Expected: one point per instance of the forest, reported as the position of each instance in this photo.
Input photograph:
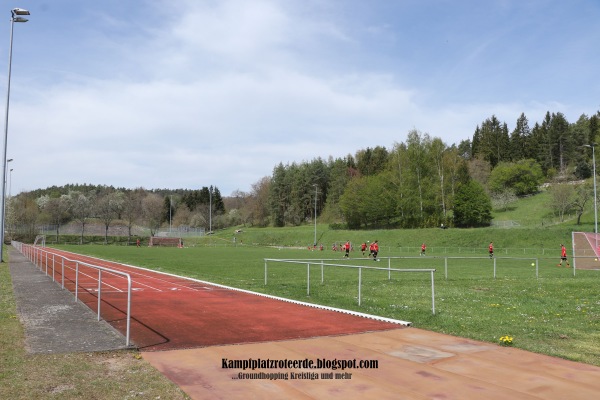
(421, 182)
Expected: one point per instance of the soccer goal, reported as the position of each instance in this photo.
(40, 240)
(165, 241)
(586, 250)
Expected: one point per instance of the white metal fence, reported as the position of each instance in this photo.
(53, 264)
(360, 268)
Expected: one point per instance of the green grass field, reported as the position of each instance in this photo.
(555, 314)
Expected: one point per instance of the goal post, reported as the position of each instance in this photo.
(40, 240)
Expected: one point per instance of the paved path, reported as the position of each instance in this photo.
(53, 321)
(412, 364)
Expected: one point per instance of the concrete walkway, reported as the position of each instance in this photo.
(53, 321)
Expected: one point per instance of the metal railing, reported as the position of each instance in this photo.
(47, 262)
(359, 267)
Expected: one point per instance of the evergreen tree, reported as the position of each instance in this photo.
(519, 139)
(580, 131)
(339, 174)
(594, 129)
(278, 196)
(494, 141)
(465, 149)
(371, 161)
(476, 145)
(561, 142)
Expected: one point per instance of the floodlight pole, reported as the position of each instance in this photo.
(593, 146)
(595, 197)
(15, 17)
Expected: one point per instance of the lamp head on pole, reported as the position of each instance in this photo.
(20, 11)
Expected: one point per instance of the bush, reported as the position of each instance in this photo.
(472, 206)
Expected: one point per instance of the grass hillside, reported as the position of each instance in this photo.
(532, 226)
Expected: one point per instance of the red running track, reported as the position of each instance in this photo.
(170, 312)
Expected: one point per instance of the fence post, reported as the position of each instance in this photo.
(63, 273)
(389, 268)
(265, 272)
(76, 279)
(322, 277)
(432, 294)
(494, 267)
(446, 267)
(99, 291)
(308, 279)
(359, 282)
(128, 308)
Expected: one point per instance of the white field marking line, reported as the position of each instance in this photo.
(268, 296)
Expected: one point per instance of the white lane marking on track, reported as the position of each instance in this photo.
(136, 275)
(148, 274)
(95, 279)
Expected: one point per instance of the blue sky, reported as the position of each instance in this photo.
(191, 93)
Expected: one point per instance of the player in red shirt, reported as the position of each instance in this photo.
(491, 249)
(375, 250)
(363, 248)
(563, 256)
(423, 248)
(347, 248)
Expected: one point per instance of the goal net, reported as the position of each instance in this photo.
(165, 241)
(586, 250)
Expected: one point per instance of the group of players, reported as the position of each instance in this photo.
(373, 249)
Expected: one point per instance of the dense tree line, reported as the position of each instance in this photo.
(422, 182)
(425, 182)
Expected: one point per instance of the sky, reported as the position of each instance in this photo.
(169, 94)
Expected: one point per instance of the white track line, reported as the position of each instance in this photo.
(153, 277)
